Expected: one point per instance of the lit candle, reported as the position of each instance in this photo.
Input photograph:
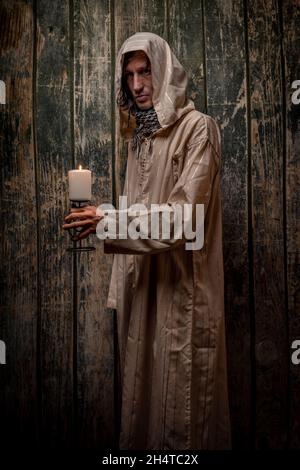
(80, 185)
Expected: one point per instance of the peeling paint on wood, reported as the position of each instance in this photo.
(291, 47)
(271, 346)
(93, 149)
(18, 274)
(54, 159)
(226, 99)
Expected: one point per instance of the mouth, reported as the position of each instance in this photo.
(142, 97)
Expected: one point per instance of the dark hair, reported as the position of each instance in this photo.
(124, 97)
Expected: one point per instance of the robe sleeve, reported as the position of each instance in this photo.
(193, 187)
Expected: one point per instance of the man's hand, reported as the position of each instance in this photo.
(84, 218)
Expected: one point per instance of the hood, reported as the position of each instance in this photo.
(169, 80)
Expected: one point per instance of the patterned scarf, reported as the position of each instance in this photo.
(146, 124)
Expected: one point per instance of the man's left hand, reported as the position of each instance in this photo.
(85, 218)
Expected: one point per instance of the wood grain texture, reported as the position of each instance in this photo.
(54, 148)
(227, 103)
(291, 48)
(185, 36)
(93, 149)
(18, 273)
(272, 353)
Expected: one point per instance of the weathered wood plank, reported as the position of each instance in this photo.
(291, 48)
(268, 240)
(55, 268)
(93, 149)
(185, 36)
(18, 274)
(227, 103)
(143, 15)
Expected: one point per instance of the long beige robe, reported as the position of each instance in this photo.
(169, 300)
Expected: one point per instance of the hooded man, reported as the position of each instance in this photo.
(169, 299)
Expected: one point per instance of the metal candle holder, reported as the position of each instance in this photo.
(73, 232)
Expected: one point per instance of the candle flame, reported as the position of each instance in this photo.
(80, 167)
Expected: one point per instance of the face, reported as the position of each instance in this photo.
(139, 80)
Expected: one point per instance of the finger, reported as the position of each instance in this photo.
(79, 223)
(77, 209)
(83, 214)
(74, 217)
(80, 209)
(85, 233)
(82, 234)
(77, 215)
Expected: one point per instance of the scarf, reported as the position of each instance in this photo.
(146, 124)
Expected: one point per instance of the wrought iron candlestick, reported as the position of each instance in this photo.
(74, 232)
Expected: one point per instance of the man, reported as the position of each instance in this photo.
(169, 299)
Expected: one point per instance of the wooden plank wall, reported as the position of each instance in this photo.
(57, 60)
(290, 30)
(19, 250)
(93, 148)
(53, 159)
(227, 101)
(266, 179)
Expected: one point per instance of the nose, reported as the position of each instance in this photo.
(137, 83)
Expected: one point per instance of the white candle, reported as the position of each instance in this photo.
(80, 185)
